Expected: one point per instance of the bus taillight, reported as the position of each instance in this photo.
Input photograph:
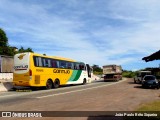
(30, 72)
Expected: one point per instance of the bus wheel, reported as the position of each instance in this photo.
(56, 83)
(49, 84)
(84, 81)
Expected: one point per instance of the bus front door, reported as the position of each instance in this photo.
(88, 70)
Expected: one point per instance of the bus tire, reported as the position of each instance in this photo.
(49, 84)
(56, 83)
(84, 82)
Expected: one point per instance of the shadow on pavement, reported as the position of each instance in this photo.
(25, 89)
(131, 82)
(138, 87)
(147, 88)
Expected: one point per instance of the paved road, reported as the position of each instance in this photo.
(26, 93)
(97, 96)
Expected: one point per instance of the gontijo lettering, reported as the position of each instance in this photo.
(21, 67)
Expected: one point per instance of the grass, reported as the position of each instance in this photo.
(149, 108)
(153, 106)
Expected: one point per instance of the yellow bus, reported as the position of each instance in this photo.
(36, 70)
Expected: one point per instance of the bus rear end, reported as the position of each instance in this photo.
(22, 73)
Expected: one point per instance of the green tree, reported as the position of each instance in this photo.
(21, 50)
(29, 50)
(97, 69)
(10, 51)
(3, 38)
(5, 49)
(3, 43)
(128, 74)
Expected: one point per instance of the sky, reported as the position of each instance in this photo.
(99, 32)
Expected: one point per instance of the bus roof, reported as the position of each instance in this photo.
(54, 57)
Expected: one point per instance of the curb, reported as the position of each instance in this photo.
(5, 86)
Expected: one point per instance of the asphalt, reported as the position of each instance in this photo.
(97, 96)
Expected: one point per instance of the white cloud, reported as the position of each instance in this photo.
(97, 32)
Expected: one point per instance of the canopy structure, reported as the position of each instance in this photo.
(154, 56)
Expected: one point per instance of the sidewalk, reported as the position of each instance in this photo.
(93, 78)
(6, 85)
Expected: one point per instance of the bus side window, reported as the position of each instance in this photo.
(77, 66)
(37, 61)
(72, 66)
(57, 62)
(45, 62)
(49, 62)
(62, 64)
(82, 67)
(68, 65)
(53, 63)
(40, 61)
